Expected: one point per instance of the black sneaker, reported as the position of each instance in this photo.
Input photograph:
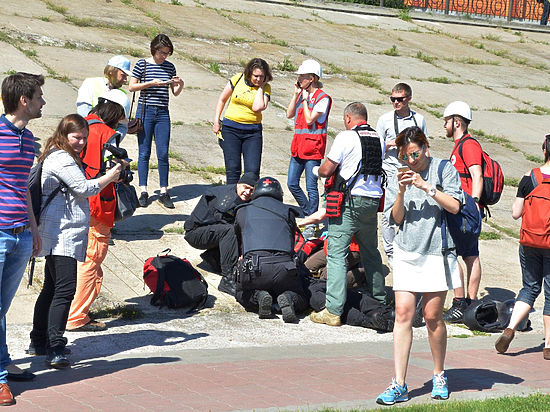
(287, 307)
(264, 304)
(456, 313)
(227, 285)
(56, 359)
(143, 198)
(41, 350)
(165, 200)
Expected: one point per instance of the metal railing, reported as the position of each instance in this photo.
(525, 10)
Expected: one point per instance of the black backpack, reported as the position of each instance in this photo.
(174, 282)
(34, 183)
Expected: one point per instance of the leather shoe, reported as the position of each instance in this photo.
(503, 341)
(15, 373)
(57, 360)
(546, 353)
(227, 285)
(6, 398)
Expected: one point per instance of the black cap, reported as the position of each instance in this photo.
(248, 178)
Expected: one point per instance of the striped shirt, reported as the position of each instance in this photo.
(16, 159)
(156, 95)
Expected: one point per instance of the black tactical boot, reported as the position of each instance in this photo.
(228, 285)
(264, 304)
(287, 307)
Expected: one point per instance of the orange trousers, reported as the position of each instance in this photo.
(89, 275)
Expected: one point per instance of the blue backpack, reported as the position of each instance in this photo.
(466, 224)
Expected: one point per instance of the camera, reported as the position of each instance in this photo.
(126, 175)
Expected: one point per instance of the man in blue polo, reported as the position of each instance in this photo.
(19, 239)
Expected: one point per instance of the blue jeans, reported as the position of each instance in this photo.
(236, 142)
(295, 170)
(156, 123)
(15, 252)
(359, 217)
(545, 13)
(535, 271)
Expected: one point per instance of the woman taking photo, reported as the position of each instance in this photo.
(153, 78)
(534, 255)
(63, 228)
(241, 134)
(415, 199)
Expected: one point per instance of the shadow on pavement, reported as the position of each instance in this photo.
(188, 192)
(145, 227)
(534, 349)
(470, 379)
(81, 371)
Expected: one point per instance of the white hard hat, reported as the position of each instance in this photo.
(117, 96)
(458, 108)
(310, 67)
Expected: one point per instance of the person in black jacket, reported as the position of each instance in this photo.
(265, 228)
(210, 227)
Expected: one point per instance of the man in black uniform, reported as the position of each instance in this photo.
(210, 227)
(265, 228)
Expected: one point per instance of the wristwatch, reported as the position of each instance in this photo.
(476, 199)
(431, 191)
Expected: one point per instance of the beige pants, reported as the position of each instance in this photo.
(89, 275)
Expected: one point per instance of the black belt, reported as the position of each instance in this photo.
(18, 229)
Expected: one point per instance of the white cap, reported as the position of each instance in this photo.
(310, 67)
(117, 96)
(458, 108)
(120, 62)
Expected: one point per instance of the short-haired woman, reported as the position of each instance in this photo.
(415, 199)
(63, 228)
(241, 136)
(154, 77)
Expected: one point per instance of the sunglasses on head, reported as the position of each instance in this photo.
(397, 99)
(413, 155)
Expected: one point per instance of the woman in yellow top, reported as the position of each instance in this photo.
(242, 124)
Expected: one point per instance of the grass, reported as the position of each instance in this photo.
(471, 60)
(208, 169)
(178, 230)
(367, 80)
(392, 51)
(175, 155)
(443, 80)
(175, 3)
(425, 58)
(10, 72)
(279, 42)
(176, 123)
(404, 15)
(126, 312)
(509, 232)
(30, 53)
(286, 65)
(511, 181)
(57, 9)
(491, 37)
(215, 67)
(44, 18)
(489, 236)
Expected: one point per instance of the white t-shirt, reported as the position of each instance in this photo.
(386, 130)
(320, 107)
(346, 151)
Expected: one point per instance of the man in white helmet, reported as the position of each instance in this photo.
(310, 108)
(115, 75)
(388, 127)
(467, 158)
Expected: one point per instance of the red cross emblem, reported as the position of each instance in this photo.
(267, 181)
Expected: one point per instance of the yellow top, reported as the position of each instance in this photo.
(240, 105)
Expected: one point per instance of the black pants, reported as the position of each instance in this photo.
(275, 278)
(220, 236)
(52, 306)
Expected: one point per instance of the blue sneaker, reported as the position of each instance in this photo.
(440, 390)
(394, 393)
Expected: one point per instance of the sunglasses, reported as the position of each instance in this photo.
(413, 155)
(398, 99)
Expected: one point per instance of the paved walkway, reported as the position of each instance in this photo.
(302, 377)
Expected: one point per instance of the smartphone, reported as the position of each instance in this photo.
(403, 169)
(298, 85)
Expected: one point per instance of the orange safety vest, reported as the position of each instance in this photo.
(102, 205)
(309, 141)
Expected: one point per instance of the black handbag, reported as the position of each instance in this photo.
(126, 201)
(135, 125)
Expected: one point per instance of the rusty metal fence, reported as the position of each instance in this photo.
(525, 10)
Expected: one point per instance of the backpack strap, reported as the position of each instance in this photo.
(461, 142)
(396, 127)
(536, 177)
(157, 296)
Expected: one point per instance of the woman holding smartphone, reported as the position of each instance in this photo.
(241, 136)
(415, 199)
(154, 77)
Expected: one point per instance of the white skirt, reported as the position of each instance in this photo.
(413, 272)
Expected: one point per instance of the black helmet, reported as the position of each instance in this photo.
(268, 186)
(488, 316)
(525, 324)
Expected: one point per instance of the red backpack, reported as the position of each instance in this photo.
(535, 219)
(493, 178)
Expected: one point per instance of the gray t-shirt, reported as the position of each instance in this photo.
(420, 231)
